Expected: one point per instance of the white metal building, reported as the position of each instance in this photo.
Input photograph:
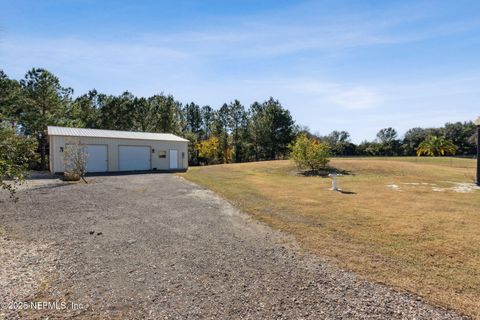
(112, 151)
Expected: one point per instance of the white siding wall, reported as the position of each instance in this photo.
(56, 142)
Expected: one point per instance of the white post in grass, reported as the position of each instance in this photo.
(477, 122)
(334, 181)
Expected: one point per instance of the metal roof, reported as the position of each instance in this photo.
(100, 133)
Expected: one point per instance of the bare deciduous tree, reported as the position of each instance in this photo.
(75, 161)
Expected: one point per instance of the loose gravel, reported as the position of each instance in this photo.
(153, 246)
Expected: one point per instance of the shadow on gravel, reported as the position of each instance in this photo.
(42, 175)
(52, 186)
(126, 173)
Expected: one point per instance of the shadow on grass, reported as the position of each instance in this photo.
(325, 172)
(346, 192)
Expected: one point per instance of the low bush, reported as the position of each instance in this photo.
(71, 176)
(310, 154)
(16, 151)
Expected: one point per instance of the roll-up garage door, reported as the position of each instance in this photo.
(97, 157)
(134, 158)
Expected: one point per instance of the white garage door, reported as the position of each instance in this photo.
(97, 159)
(134, 158)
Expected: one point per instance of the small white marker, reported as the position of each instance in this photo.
(334, 181)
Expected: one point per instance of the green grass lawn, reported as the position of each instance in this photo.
(408, 222)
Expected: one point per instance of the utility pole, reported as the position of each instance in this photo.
(477, 122)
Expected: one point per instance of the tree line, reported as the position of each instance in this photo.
(231, 132)
(459, 138)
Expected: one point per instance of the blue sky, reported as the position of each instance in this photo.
(348, 65)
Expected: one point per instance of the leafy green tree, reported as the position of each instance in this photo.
(236, 119)
(220, 120)
(272, 129)
(221, 131)
(387, 135)
(16, 151)
(389, 142)
(118, 112)
(170, 115)
(141, 114)
(192, 148)
(362, 146)
(258, 130)
(299, 129)
(474, 139)
(208, 118)
(436, 146)
(193, 118)
(370, 148)
(11, 100)
(246, 150)
(309, 153)
(340, 143)
(165, 114)
(85, 110)
(461, 136)
(193, 127)
(45, 104)
(280, 125)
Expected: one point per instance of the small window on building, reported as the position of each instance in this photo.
(162, 154)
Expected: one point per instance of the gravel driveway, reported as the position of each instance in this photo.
(156, 246)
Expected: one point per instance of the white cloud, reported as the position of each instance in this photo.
(345, 96)
(286, 33)
(356, 98)
(106, 65)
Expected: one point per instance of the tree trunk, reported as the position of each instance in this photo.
(273, 154)
(43, 151)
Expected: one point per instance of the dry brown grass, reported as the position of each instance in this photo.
(416, 239)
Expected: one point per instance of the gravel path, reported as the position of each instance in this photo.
(155, 246)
